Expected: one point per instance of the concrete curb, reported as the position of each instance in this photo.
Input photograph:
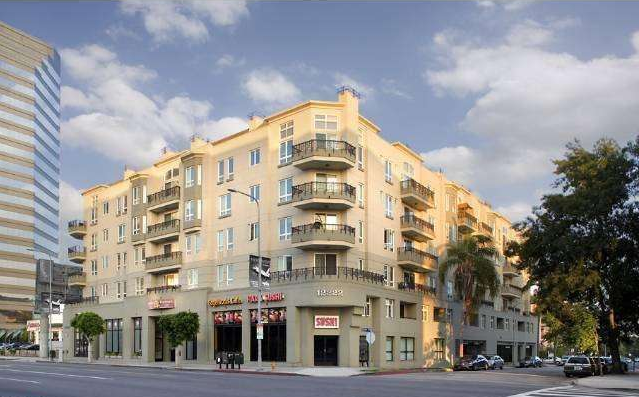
(576, 382)
(405, 371)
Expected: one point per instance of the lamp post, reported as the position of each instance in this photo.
(50, 299)
(259, 274)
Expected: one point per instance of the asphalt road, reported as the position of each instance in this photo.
(22, 379)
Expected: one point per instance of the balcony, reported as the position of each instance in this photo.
(162, 289)
(509, 270)
(510, 292)
(164, 200)
(78, 280)
(77, 229)
(416, 228)
(314, 236)
(87, 300)
(322, 154)
(163, 232)
(419, 288)
(323, 196)
(311, 274)
(416, 195)
(485, 229)
(163, 263)
(77, 254)
(416, 260)
(466, 222)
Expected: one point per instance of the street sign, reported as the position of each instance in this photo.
(254, 271)
(260, 331)
(370, 336)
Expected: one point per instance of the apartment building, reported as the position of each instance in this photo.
(29, 168)
(353, 226)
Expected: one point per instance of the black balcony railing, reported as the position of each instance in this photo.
(76, 224)
(77, 250)
(163, 288)
(161, 228)
(411, 220)
(413, 287)
(172, 193)
(313, 273)
(411, 185)
(168, 259)
(89, 300)
(323, 228)
(322, 147)
(324, 190)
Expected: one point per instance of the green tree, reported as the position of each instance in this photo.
(581, 245)
(576, 330)
(470, 262)
(89, 325)
(179, 328)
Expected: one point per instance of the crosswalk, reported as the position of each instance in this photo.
(573, 391)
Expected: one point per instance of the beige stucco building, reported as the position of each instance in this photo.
(353, 226)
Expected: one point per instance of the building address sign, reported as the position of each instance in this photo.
(329, 292)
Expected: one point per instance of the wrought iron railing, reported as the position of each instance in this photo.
(172, 193)
(410, 185)
(168, 259)
(411, 220)
(313, 273)
(323, 147)
(163, 228)
(413, 287)
(163, 288)
(324, 190)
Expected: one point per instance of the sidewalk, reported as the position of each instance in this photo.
(629, 381)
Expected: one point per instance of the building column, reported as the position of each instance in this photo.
(246, 333)
(148, 339)
(127, 338)
(44, 336)
(100, 352)
(292, 340)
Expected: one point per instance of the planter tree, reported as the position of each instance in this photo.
(471, 266)
(179, 328)
(89, 325)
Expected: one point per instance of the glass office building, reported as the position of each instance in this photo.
(29, 168)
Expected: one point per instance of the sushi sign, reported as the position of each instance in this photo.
(326, 322)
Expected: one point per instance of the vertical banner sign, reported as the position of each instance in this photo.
(260, 331)
(254, 271)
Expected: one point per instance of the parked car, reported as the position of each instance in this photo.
(33, 347)
(533, 361)
(578, 366)
(496, 362)
(472, 363)
(563, 360)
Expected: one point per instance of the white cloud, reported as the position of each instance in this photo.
(391, 87)
(166, 21)
(635, 41)
(117, 119)
(508, 5)
(342, 79)
(517, 211)
(270, 87)
(528, 102)
(70, 209)
(117, 32)
(216, 129)
(227, 61)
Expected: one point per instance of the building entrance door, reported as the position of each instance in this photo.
(159, 344)
(326, 350)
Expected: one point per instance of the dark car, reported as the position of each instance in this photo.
(533, 361)
(496, 362)
(33, 347)
(578, 366)
(472, 363)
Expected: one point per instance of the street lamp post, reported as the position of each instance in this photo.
(50, 299)
(259, 274)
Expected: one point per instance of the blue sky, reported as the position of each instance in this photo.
(488, 91)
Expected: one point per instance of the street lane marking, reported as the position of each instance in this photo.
(55, 373)
(571, 391)
(19, 380)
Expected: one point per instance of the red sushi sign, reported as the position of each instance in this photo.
(327, 322)
(161, 304)
(274, 297)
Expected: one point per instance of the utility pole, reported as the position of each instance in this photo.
(50, 298)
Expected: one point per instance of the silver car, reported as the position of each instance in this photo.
(495, 362)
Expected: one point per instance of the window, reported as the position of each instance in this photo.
(197, 242)
(254, 157)
(482, 324)
(188, 245)
(389, 348)
(189, 210)
(189, 176)
(114, 337)
(360, 195)
(139, 286)
(286, 130)
(94, 242)
(121, 233)
(360, 157)
(143, 223)
(254, 192)
(439, 347)
(440, 315)
(105, 208)
(254, 231)
(492, 322)
(105, 289)
(94, 267)
(225, 204)
(285, 263)
(137, 190)
(192, 278)
(105, 262)
(137, 336)
(406, 349)
(390, 307)
(388, 206)
(388, 171)
(389, 239)
(425, 313)
(105, 235)
(286, 151)
(225, 274)
(500, 323)
(121, 205)
(507, 322)
(120, 289)
(286, 225)
(449, 289)
(360, 231)
(135, 225)
(389, 275)
(286, 190)
(220, 171)
(325, 122)
(139, 255)
(368, 306)
(230, 238)
(230, 167)
(220, 240)
(360, 264)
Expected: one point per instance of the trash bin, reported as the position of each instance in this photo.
(239, 360)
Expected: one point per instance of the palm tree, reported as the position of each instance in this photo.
(470, 262)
